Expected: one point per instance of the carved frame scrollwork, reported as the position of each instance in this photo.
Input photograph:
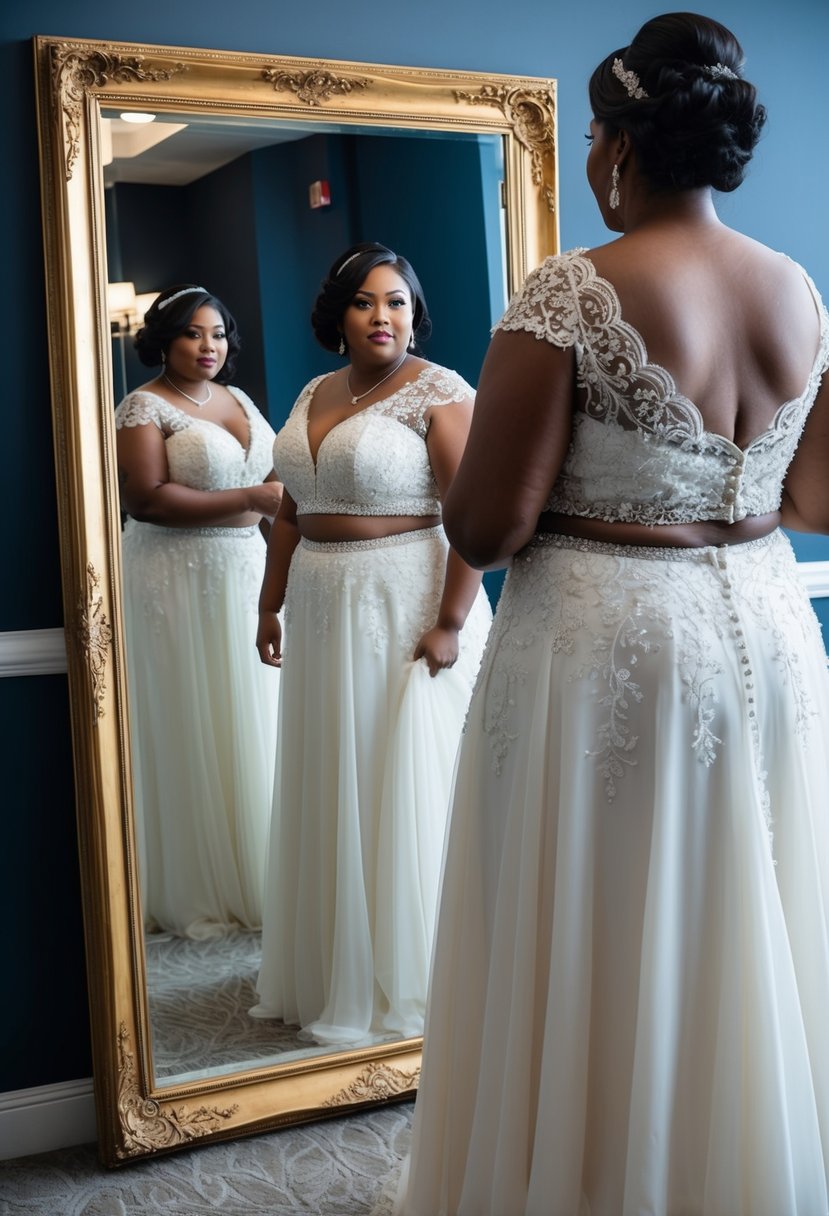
(76, 80)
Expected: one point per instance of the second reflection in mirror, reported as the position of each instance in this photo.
(197, 483)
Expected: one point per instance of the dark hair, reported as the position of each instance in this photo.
(164, 322)
(344, 280)
(696, 127)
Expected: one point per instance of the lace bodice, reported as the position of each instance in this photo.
(202, 454)
(639, 451)
(375, 462)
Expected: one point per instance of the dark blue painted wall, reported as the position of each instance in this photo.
(43, 1029)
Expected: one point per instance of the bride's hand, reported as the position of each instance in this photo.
(439, 646)
(269, 639)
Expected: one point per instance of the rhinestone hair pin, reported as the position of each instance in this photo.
(719, 71)
(185, 291)
(347, 260)
(629, 79)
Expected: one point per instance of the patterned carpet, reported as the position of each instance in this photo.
(200, 994)
(341, 1167)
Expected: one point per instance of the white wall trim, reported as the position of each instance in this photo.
(32, 652)
(815, 576)
(42, 652)
(46, 1118)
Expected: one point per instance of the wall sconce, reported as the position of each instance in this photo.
(121, 305)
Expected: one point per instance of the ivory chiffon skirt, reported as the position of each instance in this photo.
(203, 713)
(367, 747)
(629, 1008)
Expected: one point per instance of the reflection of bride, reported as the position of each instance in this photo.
(195, 464)
(384, 628)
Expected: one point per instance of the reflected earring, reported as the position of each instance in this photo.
(341, 347)
(614, 199)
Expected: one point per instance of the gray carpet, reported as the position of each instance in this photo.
(340, 1167)
(200, 994)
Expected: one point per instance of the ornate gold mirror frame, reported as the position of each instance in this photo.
(75, 80)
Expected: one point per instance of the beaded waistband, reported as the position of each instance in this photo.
(374, 542)
(659, 553)
(219, 530)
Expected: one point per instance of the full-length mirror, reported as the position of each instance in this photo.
(253, 173)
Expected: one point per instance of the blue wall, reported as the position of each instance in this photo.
(43, 1024)
(248, 232)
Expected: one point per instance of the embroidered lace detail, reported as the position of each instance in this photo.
(157, 560)
(639, 451)
(623, 617)
(396, 582)
(375, 462)
(201, 454)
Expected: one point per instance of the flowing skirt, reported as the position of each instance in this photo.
(203, 713)
(629, 1011)
(367, 747)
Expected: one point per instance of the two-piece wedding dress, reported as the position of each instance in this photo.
(629, 1011)
(202, 707)
(367, 738)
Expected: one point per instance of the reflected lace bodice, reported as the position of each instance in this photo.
(202, 454)
(375, 462)
(639, 452)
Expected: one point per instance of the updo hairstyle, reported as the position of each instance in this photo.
(163, 324)
(344, 280)
(698, 125)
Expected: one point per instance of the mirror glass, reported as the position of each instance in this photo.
(252, 175)
(220, 202)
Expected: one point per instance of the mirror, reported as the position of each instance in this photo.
(158, 1089)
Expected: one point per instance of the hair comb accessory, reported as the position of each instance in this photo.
(347, 260)
(185, 291)
(630, 80)
(719, 71)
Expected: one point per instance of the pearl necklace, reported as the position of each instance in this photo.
(388, 375)
(164, 376)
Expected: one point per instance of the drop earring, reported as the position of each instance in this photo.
(341, 347)
(615, 198)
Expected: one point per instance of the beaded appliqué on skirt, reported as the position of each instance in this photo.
(621, 615)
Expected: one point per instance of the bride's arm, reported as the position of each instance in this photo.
(518, 439)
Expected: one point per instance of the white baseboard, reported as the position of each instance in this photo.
(815, 576)
(32, 652)
(46, 1118)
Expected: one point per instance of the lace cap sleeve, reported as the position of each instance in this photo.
(434, 386)
(140, 408)
(550, 304)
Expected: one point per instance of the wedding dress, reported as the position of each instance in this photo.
(202, 707)
(628, 1010)
(367, 738)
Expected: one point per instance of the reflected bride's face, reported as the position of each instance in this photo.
(378, 322)
(199, 352)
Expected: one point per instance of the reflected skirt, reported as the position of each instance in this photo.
(203, 713)
(628, 1012)
(366, 752)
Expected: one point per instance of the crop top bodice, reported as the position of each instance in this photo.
(639, 452)
(202, 454)
(374, 462)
